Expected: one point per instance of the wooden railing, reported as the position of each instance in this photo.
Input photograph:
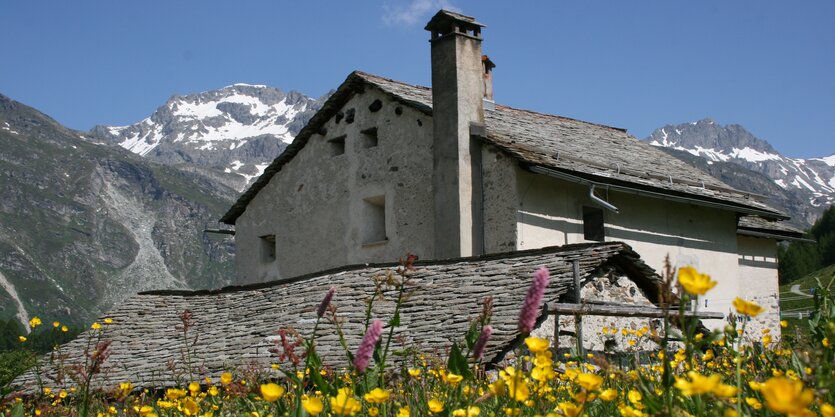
(596, 308)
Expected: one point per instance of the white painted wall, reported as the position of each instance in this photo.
(315, 206)
(550, 213)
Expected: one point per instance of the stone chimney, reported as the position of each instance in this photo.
(458, 89)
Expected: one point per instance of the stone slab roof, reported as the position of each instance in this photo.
(236, 326)
(597, 153)
(758, 226)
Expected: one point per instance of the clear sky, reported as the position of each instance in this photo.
(767, 65)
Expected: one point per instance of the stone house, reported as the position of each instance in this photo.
(386, 168)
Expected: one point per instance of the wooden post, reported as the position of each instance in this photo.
(578, 319)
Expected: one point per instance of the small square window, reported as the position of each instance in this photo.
(374, 220)
(369, 138)
(267, 248)
(337, 145)
(593, 223)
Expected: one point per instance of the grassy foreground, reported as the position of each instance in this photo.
(725, 373)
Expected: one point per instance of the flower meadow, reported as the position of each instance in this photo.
(694, 372)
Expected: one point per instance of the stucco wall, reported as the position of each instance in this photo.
(315, 205)
(758, 282)
(499, 200)
(550, 213)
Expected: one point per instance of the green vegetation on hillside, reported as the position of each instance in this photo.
(800, 258)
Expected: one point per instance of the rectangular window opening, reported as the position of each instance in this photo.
(267, 248)
(593, 223)
(337, 145)
(369, 138)
(374, 220)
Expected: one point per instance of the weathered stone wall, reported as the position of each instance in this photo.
(622, 334)
(758, 282)
(237, 326)
(316, 205)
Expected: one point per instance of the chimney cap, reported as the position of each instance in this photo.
(444, 20)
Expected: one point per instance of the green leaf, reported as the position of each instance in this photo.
(321, 383)
(457, 363)
(17, 411)
(395, 321)
(472, 336)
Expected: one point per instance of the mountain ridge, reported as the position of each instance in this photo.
(82, 226)
(805, 186)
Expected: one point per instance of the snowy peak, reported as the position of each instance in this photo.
(711, 140)
(235, 130)
(812, 181)
(224, 118)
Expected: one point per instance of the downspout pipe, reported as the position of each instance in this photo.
(600, 202)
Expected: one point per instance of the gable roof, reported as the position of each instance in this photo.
(237, 326)
(590, 152)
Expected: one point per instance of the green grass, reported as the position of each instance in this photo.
(791, 303)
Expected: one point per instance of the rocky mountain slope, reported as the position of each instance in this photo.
(802, 187)
(230, 134)
(83, 226)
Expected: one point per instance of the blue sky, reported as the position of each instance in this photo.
(767, 65)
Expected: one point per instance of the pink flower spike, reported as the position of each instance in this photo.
(530, 309)
(325, 302)
(366, 349)
(481, 343)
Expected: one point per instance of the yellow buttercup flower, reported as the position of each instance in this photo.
(345, 404)
(536, 345)
(570, 409)
(517, 388)
(35, 322)
(698, 384)
(226, 378)
(271, 392)
(144, 410)
(754, 403)
(55, 324)
(827, 410)
(194, 388)
(65, 329)
(589, 381)
(784, 395)
(435, 406)
(213, 391)
(313, 405)
(403, 412)
(414, 372)
(108, 320)
(377, 396)
(471, 411)
(693, 282)
(21, 338)
(174, 394)
(634, 396)
(453, 378)
(190, 407)
(725, 390)
(747, 308)
(373, 412)
(608, 394)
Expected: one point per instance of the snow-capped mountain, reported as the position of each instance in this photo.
(810, 181)
(231, 134)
